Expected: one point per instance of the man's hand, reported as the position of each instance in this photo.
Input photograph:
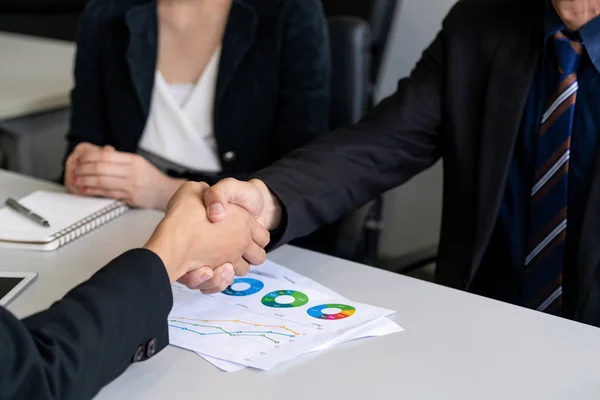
(187, 241)
(221, 200)
(123, 176)
(254, 196)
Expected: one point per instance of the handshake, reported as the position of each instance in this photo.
(211, 234)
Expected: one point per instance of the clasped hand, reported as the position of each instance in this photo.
(191, 246)
(98, 171)
(222, 202)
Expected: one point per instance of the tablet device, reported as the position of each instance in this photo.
(13, 283)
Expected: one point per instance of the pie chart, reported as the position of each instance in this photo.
(324, 311)
(244, 287)
(285, 299)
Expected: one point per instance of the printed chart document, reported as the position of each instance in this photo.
(379, 327)
(266, 318)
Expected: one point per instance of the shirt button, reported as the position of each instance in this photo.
(151, 348)
(139, 354)
(229, 156)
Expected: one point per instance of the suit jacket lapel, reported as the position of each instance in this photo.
(142, 52)
(239, 36)
(511, 77)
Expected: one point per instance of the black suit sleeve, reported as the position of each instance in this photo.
(88, 111)
(88, 338)
(347, 168)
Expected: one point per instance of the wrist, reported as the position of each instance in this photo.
(167, 190)
(271, 215)
(160, 245)
(165, 258)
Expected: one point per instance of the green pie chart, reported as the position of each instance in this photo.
(296, 299)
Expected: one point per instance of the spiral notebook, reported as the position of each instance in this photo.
(70, 217)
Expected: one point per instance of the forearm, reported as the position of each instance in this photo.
(345, 169)
(89, 337)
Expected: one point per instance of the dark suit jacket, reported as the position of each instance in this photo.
(273, 88)
(89, 337)
(463, 102)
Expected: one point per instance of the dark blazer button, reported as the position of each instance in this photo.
(139, 354)
(229, 156)
(151, 348)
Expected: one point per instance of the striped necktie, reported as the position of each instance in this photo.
(542, 278)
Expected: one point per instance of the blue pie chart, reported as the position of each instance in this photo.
(255, 287)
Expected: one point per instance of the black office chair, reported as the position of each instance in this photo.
(56, 19)
(350, 52)
(379, 14)
(351, 62)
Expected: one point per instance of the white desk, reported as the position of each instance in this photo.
(456, 345)
(36, 76)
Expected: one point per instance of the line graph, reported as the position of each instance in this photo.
(239, 322)
(200, 323)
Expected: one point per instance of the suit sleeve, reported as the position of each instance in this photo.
(88, 338)
(347, 168)
(305, 88)
(88, 113)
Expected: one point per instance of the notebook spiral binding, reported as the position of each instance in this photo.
(90, 223)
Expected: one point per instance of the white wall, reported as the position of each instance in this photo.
(412, 212)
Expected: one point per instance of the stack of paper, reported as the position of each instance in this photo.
(267, 317)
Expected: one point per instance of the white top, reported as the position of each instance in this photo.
(180, 127)
(181, 92)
